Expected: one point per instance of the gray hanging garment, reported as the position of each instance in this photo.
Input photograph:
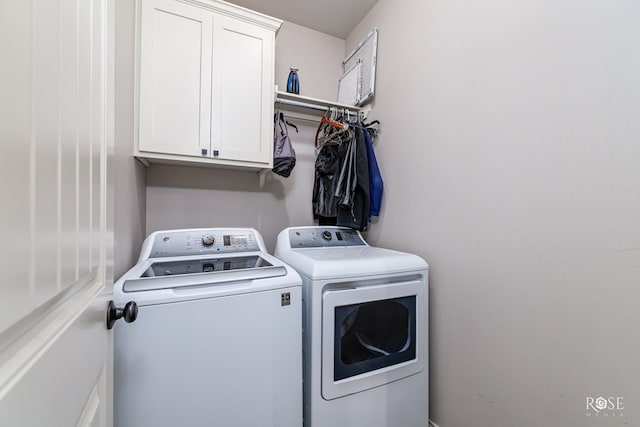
(284, 156)
(352, 190)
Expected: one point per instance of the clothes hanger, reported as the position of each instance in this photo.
(326, 122)
(373, 131)
(332, 137)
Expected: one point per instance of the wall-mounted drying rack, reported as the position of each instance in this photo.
(307, 108)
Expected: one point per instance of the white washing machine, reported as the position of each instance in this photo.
(217, 338)
(365, 332)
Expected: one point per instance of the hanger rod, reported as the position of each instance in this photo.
(318, 107)
(301, 104)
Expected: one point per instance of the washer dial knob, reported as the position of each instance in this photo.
(208, 240)
(326, 235)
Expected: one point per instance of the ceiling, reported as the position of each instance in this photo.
(335, 17)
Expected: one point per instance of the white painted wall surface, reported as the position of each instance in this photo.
(318, 56)
(129, 182)
(186, 197)
(510, 155)
(179, 196)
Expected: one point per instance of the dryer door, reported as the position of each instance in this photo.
(371, 335)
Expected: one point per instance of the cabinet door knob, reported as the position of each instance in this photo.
(204, 151)
(215, 153)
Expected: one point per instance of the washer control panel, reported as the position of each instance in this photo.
(203, 241)
(320, 237)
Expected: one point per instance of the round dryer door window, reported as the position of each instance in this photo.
(373, 335)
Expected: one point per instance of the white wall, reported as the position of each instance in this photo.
(510, 152)
(317, 55)
(129, 179)
(179, 197)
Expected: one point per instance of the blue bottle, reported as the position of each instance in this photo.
(293, 83)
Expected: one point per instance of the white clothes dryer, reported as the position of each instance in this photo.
(217, 338)
(365, 331)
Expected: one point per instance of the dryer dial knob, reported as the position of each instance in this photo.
(326, 235)
(208, 240)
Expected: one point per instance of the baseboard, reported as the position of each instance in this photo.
(432, 424)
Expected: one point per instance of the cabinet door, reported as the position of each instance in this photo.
(175, 78)
(242, 99)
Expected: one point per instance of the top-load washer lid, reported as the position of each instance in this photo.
(338, 252)
(204, 265)
(168, 274)
(212, 261)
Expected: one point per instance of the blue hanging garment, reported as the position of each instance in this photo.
(375, 178)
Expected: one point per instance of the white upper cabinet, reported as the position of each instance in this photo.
(175, 79)
(205, 84)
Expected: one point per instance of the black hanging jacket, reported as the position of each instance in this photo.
(327, 168)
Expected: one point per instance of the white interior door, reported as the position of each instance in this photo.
(56, 139)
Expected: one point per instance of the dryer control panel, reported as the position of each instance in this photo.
(322, 237)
